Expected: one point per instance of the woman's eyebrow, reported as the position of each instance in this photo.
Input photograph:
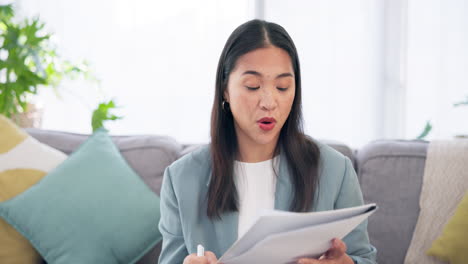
(256, 73)
(286, 74)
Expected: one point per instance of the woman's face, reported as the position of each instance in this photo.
(261, 92)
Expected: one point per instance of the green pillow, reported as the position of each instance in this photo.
(451, 245)
(92, 208)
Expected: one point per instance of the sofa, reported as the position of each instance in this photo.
(390, 173)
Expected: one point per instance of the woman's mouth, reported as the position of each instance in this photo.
(266, 123)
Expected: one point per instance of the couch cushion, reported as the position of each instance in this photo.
(92, 208)
(391, 173)
(148, 155)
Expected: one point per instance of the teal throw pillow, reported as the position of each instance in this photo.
(92, 208)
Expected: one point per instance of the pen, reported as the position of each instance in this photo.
(200, 251)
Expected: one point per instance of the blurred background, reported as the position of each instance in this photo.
(372, 69)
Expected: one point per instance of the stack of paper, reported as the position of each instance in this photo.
(283, 237)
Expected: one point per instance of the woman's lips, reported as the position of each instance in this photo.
(266, 123)
(266, 127)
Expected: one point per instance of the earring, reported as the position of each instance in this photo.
(225, 106)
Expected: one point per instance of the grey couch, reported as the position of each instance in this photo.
(390, 173)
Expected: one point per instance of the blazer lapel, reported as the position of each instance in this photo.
(225, 228)
(283, 185)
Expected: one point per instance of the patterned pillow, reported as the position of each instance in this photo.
(23, 162)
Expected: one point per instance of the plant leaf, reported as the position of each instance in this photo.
(461, 103)
(102, 114)
(6, 12)
(425, 131)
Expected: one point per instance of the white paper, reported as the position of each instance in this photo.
(283, 237)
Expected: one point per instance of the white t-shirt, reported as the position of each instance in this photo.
(256, 185)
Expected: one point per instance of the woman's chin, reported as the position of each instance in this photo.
(266, 139)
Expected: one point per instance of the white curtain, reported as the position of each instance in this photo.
(157, 59)
(371, 68)
(437, 71)
(376, 69)
(340, 50)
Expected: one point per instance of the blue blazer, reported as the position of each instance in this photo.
(184, 223)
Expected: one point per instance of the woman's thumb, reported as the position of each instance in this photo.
(211, 257)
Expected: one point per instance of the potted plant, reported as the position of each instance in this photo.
(28, 61)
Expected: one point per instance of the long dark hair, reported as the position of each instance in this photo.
(301, 152)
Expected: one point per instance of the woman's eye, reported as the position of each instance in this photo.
(282, 89)
(252, 88)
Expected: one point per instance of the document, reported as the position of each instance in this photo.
(284, 237)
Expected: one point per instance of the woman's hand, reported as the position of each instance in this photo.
(335, 255)
(209, 258)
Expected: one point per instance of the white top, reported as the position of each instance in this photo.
(256, 185)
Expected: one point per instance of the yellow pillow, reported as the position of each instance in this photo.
(452, 244)
(23, 162)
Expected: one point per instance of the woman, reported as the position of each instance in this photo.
(258, 158)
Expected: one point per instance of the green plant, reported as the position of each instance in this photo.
(462, 103)
(102, 114)
(28, 60)
(428, 127)
(426, 130)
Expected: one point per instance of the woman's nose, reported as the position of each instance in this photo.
(267, 100)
